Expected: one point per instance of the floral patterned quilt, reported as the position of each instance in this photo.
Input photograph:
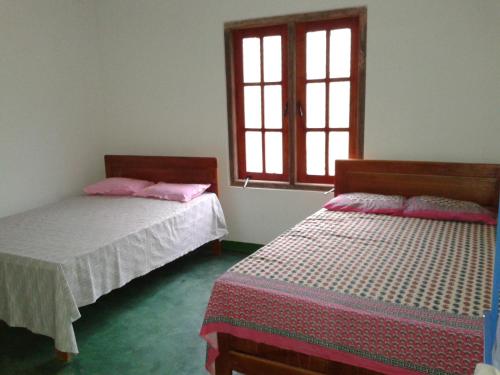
(391, 294)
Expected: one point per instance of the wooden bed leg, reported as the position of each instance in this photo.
(216, 247)
(222, 367)
(63, 356)
(223, 362)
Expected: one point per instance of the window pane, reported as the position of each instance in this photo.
(340, 53)
(338, 148)
(251, 60)
(272, 58)
(339, 104)
(274, 152)
(272, 107)
(253, 151)
(315, 153)
(315, 105)
(253, 113)
(316, 54)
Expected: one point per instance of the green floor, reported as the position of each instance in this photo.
(149, 326)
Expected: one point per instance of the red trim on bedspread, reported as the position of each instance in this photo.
(384, 337)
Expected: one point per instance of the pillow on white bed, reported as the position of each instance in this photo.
(173, 192)
(367, 203)
(117, 186)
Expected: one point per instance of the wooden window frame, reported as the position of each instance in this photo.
(291, 164)
(238, 98)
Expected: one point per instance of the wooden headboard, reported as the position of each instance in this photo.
(478, 183)
(164, 169)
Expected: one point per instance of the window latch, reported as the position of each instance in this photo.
(329, 191)
(299, 108)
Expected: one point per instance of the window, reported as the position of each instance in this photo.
(260, 63)
(295, 97)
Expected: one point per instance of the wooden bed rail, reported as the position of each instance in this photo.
(252, 358)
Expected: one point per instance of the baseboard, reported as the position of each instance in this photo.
(240, 247)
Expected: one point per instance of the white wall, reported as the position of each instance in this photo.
(80, 78)
(50, 144)
(432, 87)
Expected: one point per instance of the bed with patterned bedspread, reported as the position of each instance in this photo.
(390, 294)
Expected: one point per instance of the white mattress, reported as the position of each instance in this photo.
(57, 258)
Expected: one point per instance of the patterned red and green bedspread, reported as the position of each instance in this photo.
(395, 295)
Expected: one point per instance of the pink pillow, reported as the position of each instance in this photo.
(117, 186)
(367, 203)
(438, 208)
(173, 192)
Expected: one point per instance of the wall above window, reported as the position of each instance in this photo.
(295, 87)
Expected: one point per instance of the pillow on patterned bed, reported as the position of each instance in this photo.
(367, 203)
(439, 208)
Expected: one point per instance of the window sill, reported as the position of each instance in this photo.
(282, 185)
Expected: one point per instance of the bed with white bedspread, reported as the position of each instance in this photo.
(63, 256)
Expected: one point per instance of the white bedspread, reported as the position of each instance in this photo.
(57, 258)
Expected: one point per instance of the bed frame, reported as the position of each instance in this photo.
(158, 169)
(176, 169)
(479, 183)
(195, 170)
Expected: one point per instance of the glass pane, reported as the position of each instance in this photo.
(315, 153)
(316, 54)
(253, 115)
(272, 107)
(272, 58)
(251, 60)
(339, 104)
(253, 151)
(340, 53)
(315, 105)
(274, 152)
(338, 148)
